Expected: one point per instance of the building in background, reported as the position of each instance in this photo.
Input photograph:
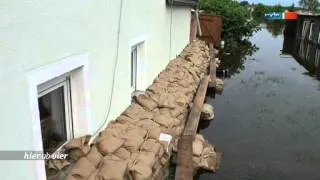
(67, 68)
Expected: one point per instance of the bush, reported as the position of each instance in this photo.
(236, 24)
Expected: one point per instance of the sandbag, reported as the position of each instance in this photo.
(146, 102)
(219, 86)
(93, 176)
(122, 153)
(78, 142)
(140, 165)
(78, 147)
(207, 112)
(113, 168)
(166, 101)
(82, 169)
(108, 144)
(133, 138)
(197, 146)
(57, 164)
(208, 159)
(151, 145)
(137, 112)
(154, 133)
(94, 156)
(166, 120)
(147, 124)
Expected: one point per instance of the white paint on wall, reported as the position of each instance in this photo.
(35, 34)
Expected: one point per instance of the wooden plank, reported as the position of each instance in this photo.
(184, 170)
(212, 73)
(184, 167)
(213, 70)
(194, 116)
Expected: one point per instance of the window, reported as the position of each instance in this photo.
(54, 101)
(134, 61)
(67, 79)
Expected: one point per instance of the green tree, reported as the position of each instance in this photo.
(236, 25)
(310, 5)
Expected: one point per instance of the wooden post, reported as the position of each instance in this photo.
(184, 170)
(193, 27)
(212, 73)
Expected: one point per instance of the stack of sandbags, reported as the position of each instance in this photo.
(203, 154)
(137, 145)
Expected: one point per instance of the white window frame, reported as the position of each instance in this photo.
(64, 82)
(81, 112)
(134, 66)
(141, 62)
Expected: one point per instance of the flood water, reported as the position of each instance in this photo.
(267, 121)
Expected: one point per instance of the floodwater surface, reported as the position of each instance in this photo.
(267, 120)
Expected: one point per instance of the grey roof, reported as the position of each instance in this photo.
(191, 3)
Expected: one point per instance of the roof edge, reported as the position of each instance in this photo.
(191, 3)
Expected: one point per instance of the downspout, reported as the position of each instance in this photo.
(105, 123)
(198, 21)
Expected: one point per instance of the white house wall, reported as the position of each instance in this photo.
(34, 34)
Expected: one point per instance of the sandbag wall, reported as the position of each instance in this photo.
(137, 144)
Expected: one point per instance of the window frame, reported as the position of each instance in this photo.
(50, 86)
(78, 64)
(141, 43)
(134, 66)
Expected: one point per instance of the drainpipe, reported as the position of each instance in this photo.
(198, 22)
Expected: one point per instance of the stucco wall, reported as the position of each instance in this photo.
(37, 33)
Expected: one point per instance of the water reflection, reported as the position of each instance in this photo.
(235, 54)
(306, 53)
(275, 27)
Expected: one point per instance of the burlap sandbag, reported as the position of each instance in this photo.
(207, 112)
(154, 133)
(93, 175)
(82, 169)
(57, 164)
(115, 129)
(108, 144)
(197, 146)
(137, 112)
(140, 165)
(78, 147)
(123, 119)
(147, 124)
(151, 145)
(166, 120)
(94, 156)
(122, 153)
(78, 142)
(181, 100)
(219, 85)
(113, 168)
(166, 101)
(133, 138)
(146, 102)
(210, 162)
(176, 112)
(209, 159)
(156, 88)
